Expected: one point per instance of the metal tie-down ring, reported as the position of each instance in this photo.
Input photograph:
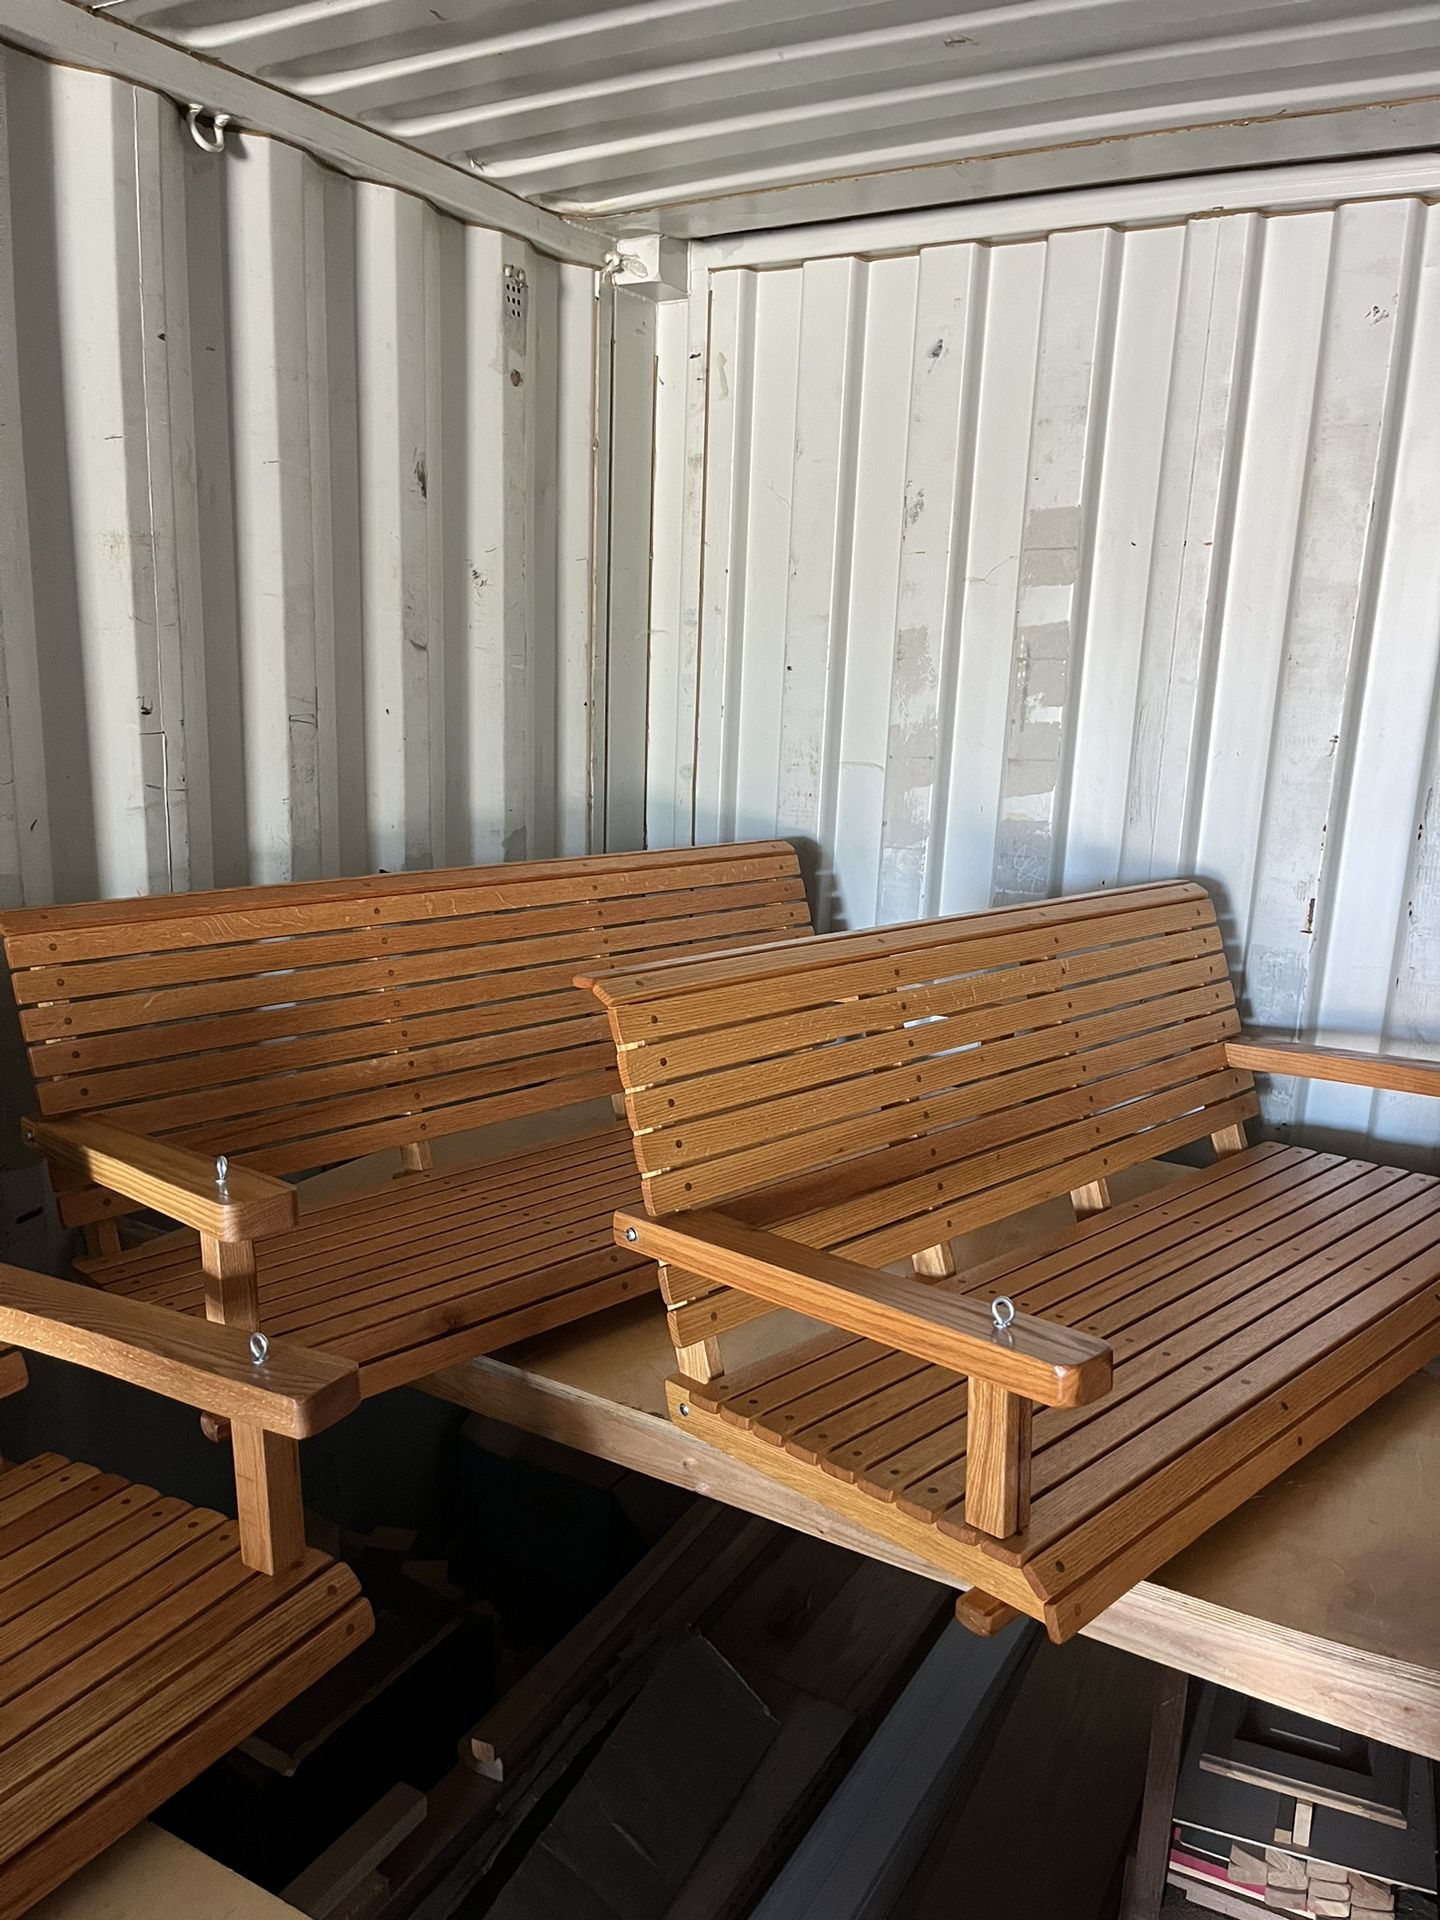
(207, 129)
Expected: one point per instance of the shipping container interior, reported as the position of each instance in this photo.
(994, 449)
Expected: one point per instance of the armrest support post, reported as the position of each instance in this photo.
(997, 1459)
(230, 1292)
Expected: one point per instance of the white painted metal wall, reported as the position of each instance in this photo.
(1001, 568)
(295, 522)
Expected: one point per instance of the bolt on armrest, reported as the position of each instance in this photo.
(271, 1385)
(176, 1181)
(1052, 1365)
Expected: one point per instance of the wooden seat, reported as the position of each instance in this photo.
(872, 1095)
(421, 1274)
(192, 1054)
(135, 1646)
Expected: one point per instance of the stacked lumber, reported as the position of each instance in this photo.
(792, 1648)
(1293, 1883)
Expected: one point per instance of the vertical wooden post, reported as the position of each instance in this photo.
(1229, 1139)
(934, 1263)
(102, 1238)
(267, 1465)
(230, 1292)
(1145, 1884)
(617, 1106)
(997, 1459)
(416, 1156)
(701, 1361)
(1094, 1197)
(268, 1499)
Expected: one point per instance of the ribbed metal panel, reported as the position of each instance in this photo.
(651, 108)
(1014, 569)
(295, 514)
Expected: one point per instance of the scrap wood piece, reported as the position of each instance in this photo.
(982, 1613)
(400, 1642)
(13, 1374)
(324, 1890)
(744, 1851)
(683, 1575)
(870, 1834)
(616, 1846)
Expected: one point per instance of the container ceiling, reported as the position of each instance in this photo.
(703, 115)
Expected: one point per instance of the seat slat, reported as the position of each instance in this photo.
(1258, 1190)
(412, 1349)
(1260, 1301)
(32, 1483)
(51, 1526)
(1144, 1529)
(874, 1429)
(307, 1260)
(828, 1403)
(52, 1771)
(75, 1584)
(830, 1365)
(29, 1567)
(127, 1624)
(1150, 1370)
(1260, 1357)
(135, 1649)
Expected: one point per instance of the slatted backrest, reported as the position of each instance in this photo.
(295, 1026)
(878, 1092)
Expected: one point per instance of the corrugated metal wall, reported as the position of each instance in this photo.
(295, 522)
(1015, 569)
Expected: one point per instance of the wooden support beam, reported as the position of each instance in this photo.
(1230, 1139)
(1145, 1888)
(997, 1459)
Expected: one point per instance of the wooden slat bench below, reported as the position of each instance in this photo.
(426, 1272)
(135, 1650)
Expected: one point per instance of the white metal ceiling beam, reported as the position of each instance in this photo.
(61, 31)
(1138, 203)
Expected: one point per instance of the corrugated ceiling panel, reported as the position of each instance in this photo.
(1035, 567)
(622, 107)
(295, 514)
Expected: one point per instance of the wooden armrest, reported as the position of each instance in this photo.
(292, 1391)
(1391, 1072)
(176, 1181)
(1053, 1365)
